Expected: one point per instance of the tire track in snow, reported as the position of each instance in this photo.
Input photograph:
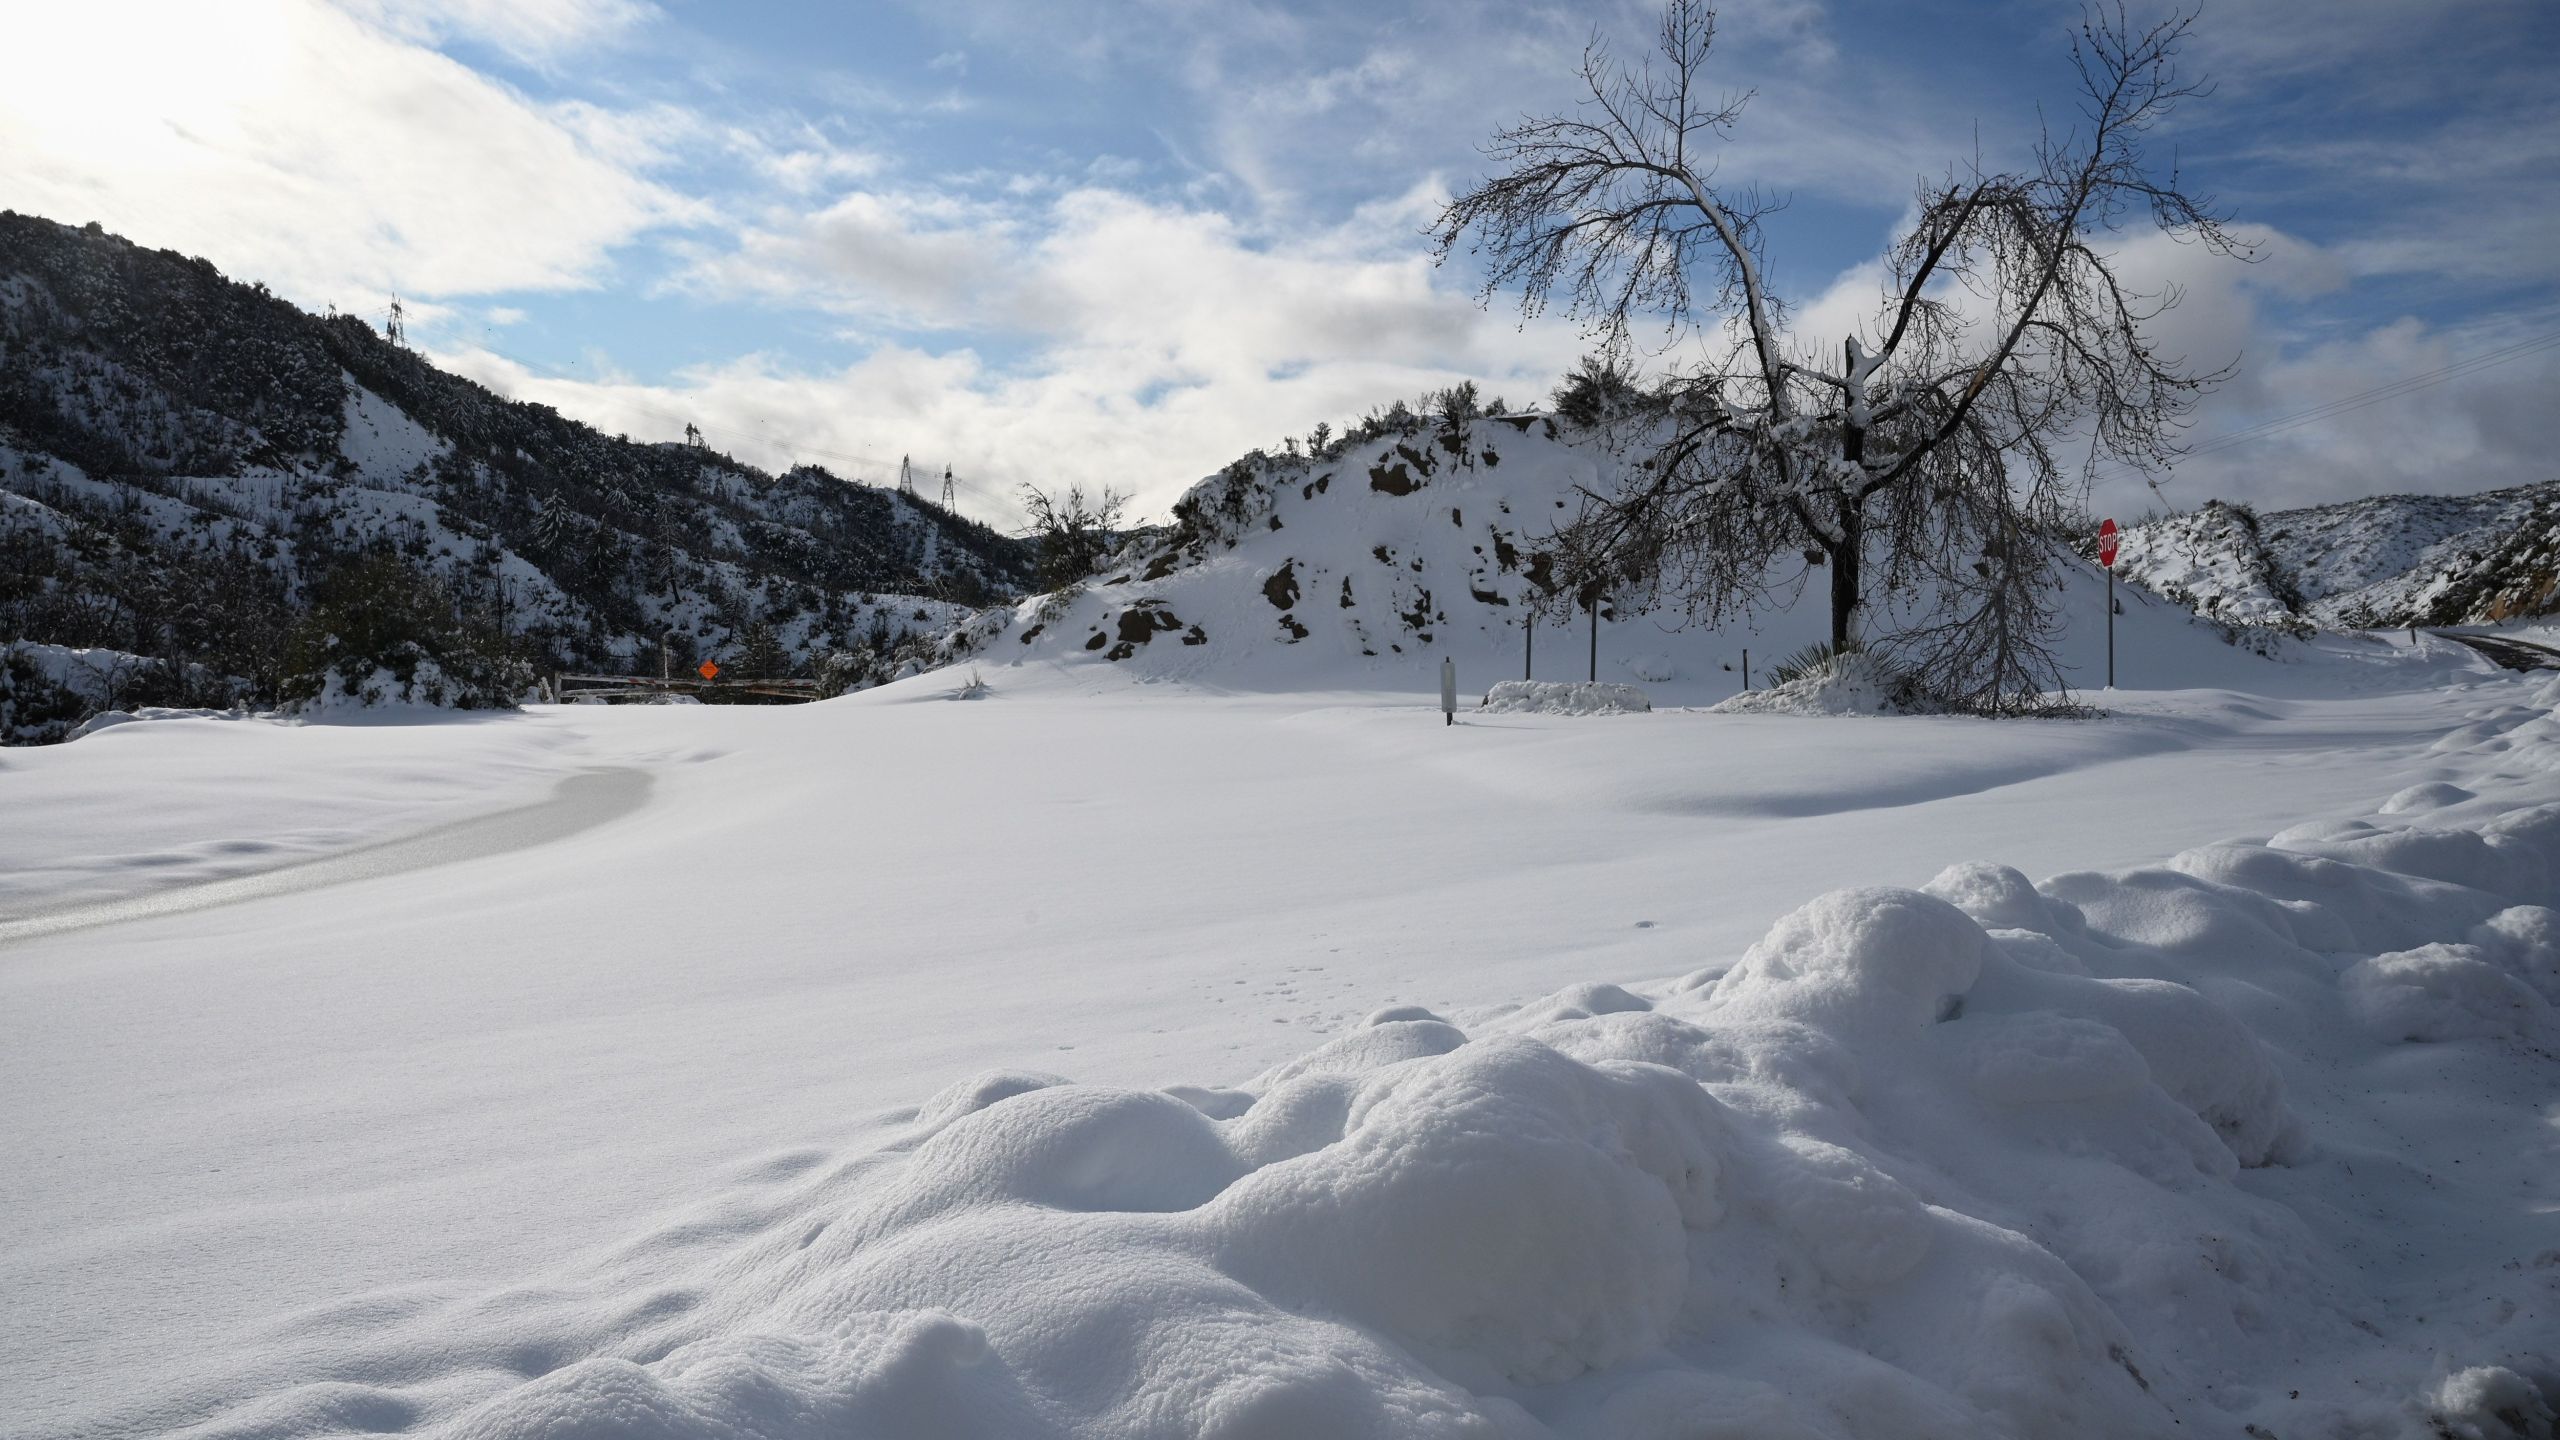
(579, 802)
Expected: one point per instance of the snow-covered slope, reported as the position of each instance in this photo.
(1364, 568)
(2386, 561)
(2214, 561)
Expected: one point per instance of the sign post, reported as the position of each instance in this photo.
(2107, 558)
(1448, 691)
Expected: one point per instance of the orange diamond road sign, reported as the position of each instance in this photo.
(709, 670)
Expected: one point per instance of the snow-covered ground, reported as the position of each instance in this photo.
(1524, 1079)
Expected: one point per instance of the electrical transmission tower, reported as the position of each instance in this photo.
(907, 476)
(692, 437)
(950, 503)
(395, 328)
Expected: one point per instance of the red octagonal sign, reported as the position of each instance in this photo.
(2107, 544)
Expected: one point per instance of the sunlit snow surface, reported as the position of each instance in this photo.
(1099, 1059)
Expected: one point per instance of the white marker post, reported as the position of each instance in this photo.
(2107, 558)
(1448, 691)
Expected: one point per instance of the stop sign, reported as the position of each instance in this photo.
(2107, 544)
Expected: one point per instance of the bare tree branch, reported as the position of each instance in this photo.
(1926, 470)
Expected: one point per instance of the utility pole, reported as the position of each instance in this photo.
(1595, 637)
(1528, 642)
(2108, 536)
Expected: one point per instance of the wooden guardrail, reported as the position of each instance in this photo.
(617, 687)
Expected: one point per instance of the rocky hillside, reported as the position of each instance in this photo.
(1366, 561)
(2388, 561)
(183, 458)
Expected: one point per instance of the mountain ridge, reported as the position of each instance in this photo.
(182, 456)
(2382, 561)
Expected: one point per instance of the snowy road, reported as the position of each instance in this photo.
(2508, 651)
(409, 1074)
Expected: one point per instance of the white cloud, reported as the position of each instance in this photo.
(1161, 341)
(2258, 44)
(291, 143)
(536, 32)
(2290, 351)
(912, 259)
(1097, 321)
(2488, 428)
(1319, 98)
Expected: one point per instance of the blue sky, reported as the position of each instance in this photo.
(1120, 243)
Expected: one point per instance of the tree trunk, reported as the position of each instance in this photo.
(1852, 550)
(1845, 579)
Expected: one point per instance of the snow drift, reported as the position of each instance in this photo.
(1564, 697)
(2118, 1154)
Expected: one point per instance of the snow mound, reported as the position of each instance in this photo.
(2489, 1402)
(1984, 1158)
(1564, 697)
(1853, 684)
(109, 719)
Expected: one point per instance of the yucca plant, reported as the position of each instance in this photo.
(1819, 656)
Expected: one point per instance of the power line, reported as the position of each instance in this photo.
(2407, 385)
(796, 449)
(2487, 360)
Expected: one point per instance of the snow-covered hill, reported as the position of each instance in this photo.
(2387, 561)
(182, 457)
(1363, 567)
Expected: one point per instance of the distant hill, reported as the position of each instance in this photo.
(2392, 560)
(182, 457)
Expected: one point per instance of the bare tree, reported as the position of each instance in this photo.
(1075, 531)
(1935, 439)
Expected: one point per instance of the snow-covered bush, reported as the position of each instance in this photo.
(48, 691)
(841, 672)
(35, 709)
(382, 632)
